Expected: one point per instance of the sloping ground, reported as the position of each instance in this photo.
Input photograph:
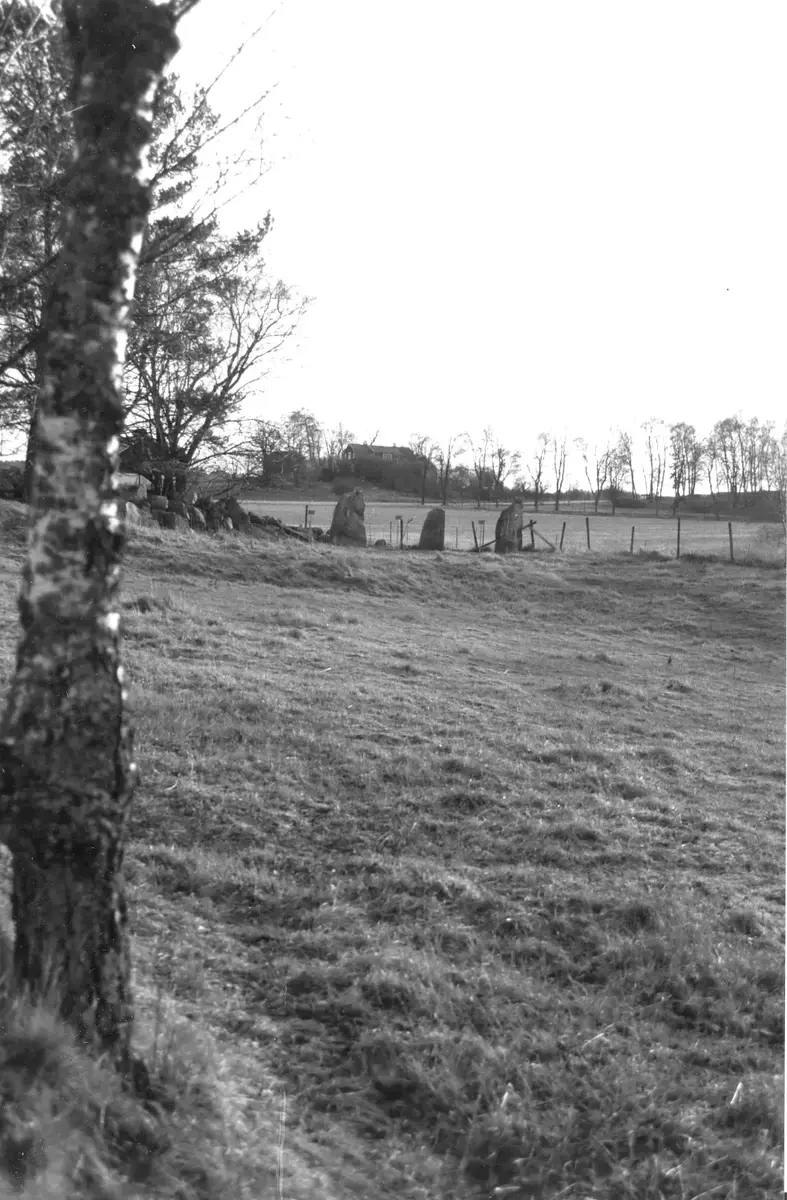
(479, 862)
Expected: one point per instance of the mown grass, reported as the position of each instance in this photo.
(476, 861)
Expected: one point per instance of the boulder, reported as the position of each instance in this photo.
(197, 519)
(171, 520)
(136, 516)
(139, 491)
(347, 527)
(508, 531)
(381, 542)
(177, 506)
(227, 525)
(240, 519)
(158, 503)
(433, 532)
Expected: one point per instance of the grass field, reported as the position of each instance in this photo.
(608, 534)
(452, 876)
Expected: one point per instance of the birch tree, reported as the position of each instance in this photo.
(66, 766)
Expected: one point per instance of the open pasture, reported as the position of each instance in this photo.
(608, 534)
(478, 860)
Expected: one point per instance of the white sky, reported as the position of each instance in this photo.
(533, 215)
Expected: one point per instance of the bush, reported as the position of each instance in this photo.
(342, 484)
(12, 479)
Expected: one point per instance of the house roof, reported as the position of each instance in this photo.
(359, 447)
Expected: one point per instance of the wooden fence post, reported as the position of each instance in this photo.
(457, 537)
(587, 530)
(475, 539)
(562, 534)
(729, 530)
(532, 535)
(678, 554)
(631, 547)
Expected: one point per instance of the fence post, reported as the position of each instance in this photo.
(475, 539)
(457, 537)
(532, 535)
(678, 554)
(631, 547)
(562, 534)
(729, 529)
(587, 530)
(390, 533)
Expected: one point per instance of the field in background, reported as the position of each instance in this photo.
(477, 861)
(608, 534)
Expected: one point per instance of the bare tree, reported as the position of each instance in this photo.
(336, 441)
(66, 769)
(626, 456)
(444, 456)
(657, 457)
(502, 464)
(537, 467)
(686, 455)
(779, 475)
(425, 450)
(481, 451)
(725, 450)
(559, 455)
(618, 463)
(598, 462)
(212, 321)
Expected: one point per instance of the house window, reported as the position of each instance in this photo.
(388, 456)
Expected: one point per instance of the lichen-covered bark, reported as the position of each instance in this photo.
(66, 770)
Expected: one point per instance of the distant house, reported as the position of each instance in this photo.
(396, 455)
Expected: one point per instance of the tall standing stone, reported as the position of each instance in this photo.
(508, 531)
(433, 532)
(347, 527)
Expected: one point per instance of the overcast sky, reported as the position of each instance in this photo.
(533, 215)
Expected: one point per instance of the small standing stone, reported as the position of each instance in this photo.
(433, 532)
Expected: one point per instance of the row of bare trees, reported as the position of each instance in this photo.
(740, 458)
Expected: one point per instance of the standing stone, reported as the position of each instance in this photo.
(159, 503)
(508, 531)
(433, 532)
(347, 527)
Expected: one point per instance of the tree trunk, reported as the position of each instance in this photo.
(66, 775)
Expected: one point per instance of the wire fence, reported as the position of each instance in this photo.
(571, 532)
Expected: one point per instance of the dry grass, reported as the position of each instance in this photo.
(477, 861)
